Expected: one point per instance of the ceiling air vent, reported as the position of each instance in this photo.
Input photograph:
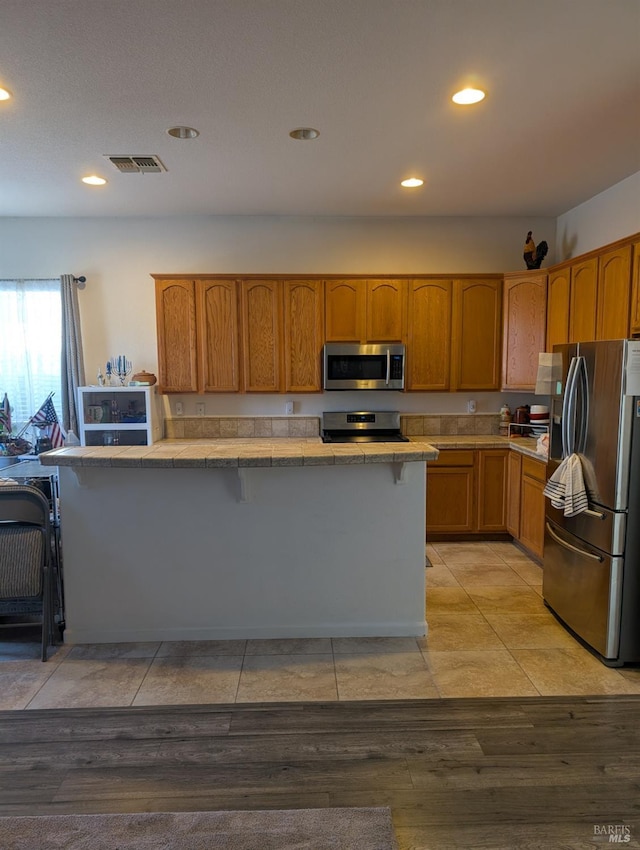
(136, 164)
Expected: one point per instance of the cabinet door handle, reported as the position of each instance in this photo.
(566, 545)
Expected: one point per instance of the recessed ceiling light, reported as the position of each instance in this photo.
(183, 132)
(5, 94)
(94, 180)
(467, 96)
(304, 134)
(412, 182)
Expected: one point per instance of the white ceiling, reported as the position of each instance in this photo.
(561, 121)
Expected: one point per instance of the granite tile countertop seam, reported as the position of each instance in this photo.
(246, 453)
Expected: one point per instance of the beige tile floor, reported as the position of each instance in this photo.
(489, 635)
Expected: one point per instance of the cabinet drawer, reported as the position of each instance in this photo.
(534, 468)
(449, 457)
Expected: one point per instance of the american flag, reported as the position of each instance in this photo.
(5, 414)
(47, 417)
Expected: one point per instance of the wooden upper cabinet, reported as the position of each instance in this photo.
(558, 302)
(386, 310)
(524, 325)
(261, 333)
(614, 291)
(345, 310)
(635, 290)
(365, 310)
(177, 335)
(476, 334)
(429, 335)
(303, 335)
(217, 303)
(584, 301)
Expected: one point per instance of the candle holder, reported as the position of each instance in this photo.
(120, 366)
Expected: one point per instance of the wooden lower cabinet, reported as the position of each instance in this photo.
(485, 492)
(492, 489)
(466, 492)
(451, 503)
(514, 476)
(532, 506)
(526, 502)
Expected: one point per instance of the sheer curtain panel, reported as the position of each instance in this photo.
(30, 345)
(72, 359)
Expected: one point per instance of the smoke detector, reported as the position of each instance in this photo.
(136, 164)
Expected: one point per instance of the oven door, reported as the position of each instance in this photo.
(363, 367)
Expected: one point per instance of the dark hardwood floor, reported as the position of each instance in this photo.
(475, 773)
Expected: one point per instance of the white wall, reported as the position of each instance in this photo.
(611, 215)
(117, 257)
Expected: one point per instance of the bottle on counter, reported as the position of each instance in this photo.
(505, 420)
(71, 439)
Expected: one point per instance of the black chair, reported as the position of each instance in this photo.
(26, 586)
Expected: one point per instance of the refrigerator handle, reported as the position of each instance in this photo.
(566, 545)
(568, 404)
(584, 403)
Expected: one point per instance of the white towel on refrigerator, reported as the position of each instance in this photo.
(566, 488)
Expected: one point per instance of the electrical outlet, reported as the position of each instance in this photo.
(288, 408)
(471, 405)
(200, 408)
(179, 408)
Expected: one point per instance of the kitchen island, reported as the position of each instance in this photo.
(223, 539)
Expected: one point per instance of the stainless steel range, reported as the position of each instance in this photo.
(380, 426)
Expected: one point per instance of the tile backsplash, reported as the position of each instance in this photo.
(220, 427)
(433, 425)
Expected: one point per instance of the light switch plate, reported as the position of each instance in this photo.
(200, 408)
(288, 408)
(179, 408)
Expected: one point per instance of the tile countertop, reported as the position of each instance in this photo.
(278, 451)
(253, 451)
(524, 445)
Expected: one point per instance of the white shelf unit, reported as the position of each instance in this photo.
(124, 416)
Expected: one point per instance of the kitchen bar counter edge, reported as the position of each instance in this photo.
(249, 452)
(284, 451)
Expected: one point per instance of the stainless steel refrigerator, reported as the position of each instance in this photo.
(591, 576)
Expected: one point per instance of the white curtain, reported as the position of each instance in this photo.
(72, 360)
(30, 346)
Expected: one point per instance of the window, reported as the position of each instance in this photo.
(30, 346)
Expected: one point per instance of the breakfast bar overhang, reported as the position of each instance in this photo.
(231, 539)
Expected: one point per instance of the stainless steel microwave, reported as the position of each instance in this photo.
(350, 366)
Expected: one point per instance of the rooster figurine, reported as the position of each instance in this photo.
(533, 256)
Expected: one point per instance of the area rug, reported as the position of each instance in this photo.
(291, 829)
